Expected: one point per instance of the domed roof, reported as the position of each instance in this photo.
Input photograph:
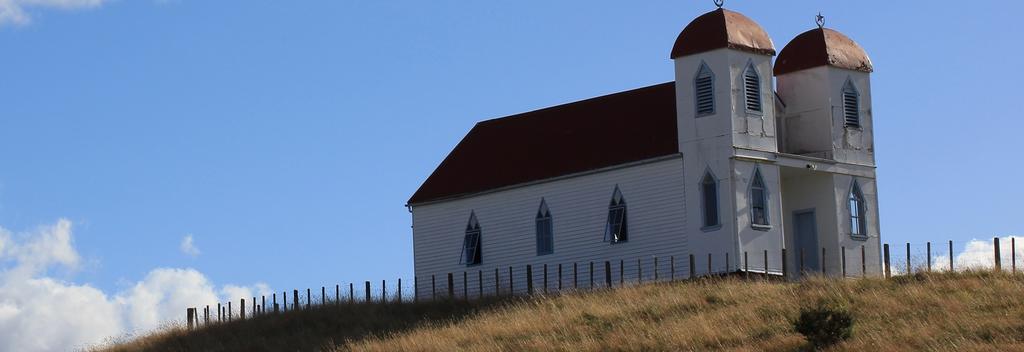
(820, 47)
(722, 29)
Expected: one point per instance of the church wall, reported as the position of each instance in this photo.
(807, 120)
(851, 145)
(755, 240)
(579, 208)
(749, 129)
(871, 245)
(803, 190)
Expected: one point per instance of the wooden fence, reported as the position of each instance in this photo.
(612, 273)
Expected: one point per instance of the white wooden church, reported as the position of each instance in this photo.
(737, 156)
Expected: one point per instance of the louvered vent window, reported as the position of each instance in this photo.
(851, 105)
(704, 86)
(752, 89)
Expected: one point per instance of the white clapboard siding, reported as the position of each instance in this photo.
(579, 207)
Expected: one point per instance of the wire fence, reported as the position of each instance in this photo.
(548, 278)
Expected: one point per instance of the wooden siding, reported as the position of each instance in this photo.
(579, 207)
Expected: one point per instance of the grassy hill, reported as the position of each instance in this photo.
(978, 311)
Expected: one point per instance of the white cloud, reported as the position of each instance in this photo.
(980, 254)
(188, 246)
(40, 313)
(14, 11)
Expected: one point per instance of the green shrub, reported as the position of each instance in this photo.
(825, 324)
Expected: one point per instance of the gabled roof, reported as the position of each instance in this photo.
(561, 140)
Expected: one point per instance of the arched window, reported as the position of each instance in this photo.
(704, 90)
(758, 200)
(616, 229)
(709, 199)
(545, 230)
(858, 226)
(471, 250)
(851, 105)
(752, 89)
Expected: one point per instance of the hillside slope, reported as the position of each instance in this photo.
(938, 312)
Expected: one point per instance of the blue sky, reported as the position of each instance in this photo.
(285, 137)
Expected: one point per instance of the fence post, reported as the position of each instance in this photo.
(766, 264)
(263, 304)
(352, 291)
(465, 285)
(497, 282)
(727, 267)
(206, 315)
(575, 276)
(801, 261)
(608, 273)
(295, 299)
(323, 295)
(909, 269)
(929, 254)
(451, 286)
(591, 272)
(885, 255)
(842, 249)
(529, 279)
(415, 289)
(275, 303)
(399, 290)
(709, 264)
(511, 283)
(998, 259)
(284, 296)
(863, 262)
(241, 309)
(693, 270)
(639, 271)
(384, 291)
(1013, 255)
(220, 317)
(655, 268)
(951, 255)
(368, 298)
(433, 287)
(672, 268)
(309, 298)
(230, 312)
(784, 264)
(480, 283)
(189, 312)
(559, 277)
(545, 278)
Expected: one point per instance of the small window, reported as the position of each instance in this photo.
(758, 200)
(709, 195)
(851, 105)
(858, 227)
(752, 89)
(616, 229)
(545, 230)
(704, 88)
(471, 250)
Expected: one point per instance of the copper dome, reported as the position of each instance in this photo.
(820, 47)
(722, 29)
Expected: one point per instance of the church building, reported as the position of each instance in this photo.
(736, 159)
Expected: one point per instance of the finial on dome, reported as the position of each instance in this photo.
(820, 20)
(719, 3)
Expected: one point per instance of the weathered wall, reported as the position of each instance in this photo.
(579, 207)
(755, 240)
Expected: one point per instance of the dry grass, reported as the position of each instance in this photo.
(940, 312)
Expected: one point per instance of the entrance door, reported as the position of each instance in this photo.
(806, 238)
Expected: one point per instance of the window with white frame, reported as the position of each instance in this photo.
(545, 230)
(858, 225)
(752, 89)
(704, 90)
(851, 105)
(758, 200)
(616, 229)
(471, 249)
(709, 199)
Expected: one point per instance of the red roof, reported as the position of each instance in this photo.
(566, 139)
(722, 29)
(821, 47)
